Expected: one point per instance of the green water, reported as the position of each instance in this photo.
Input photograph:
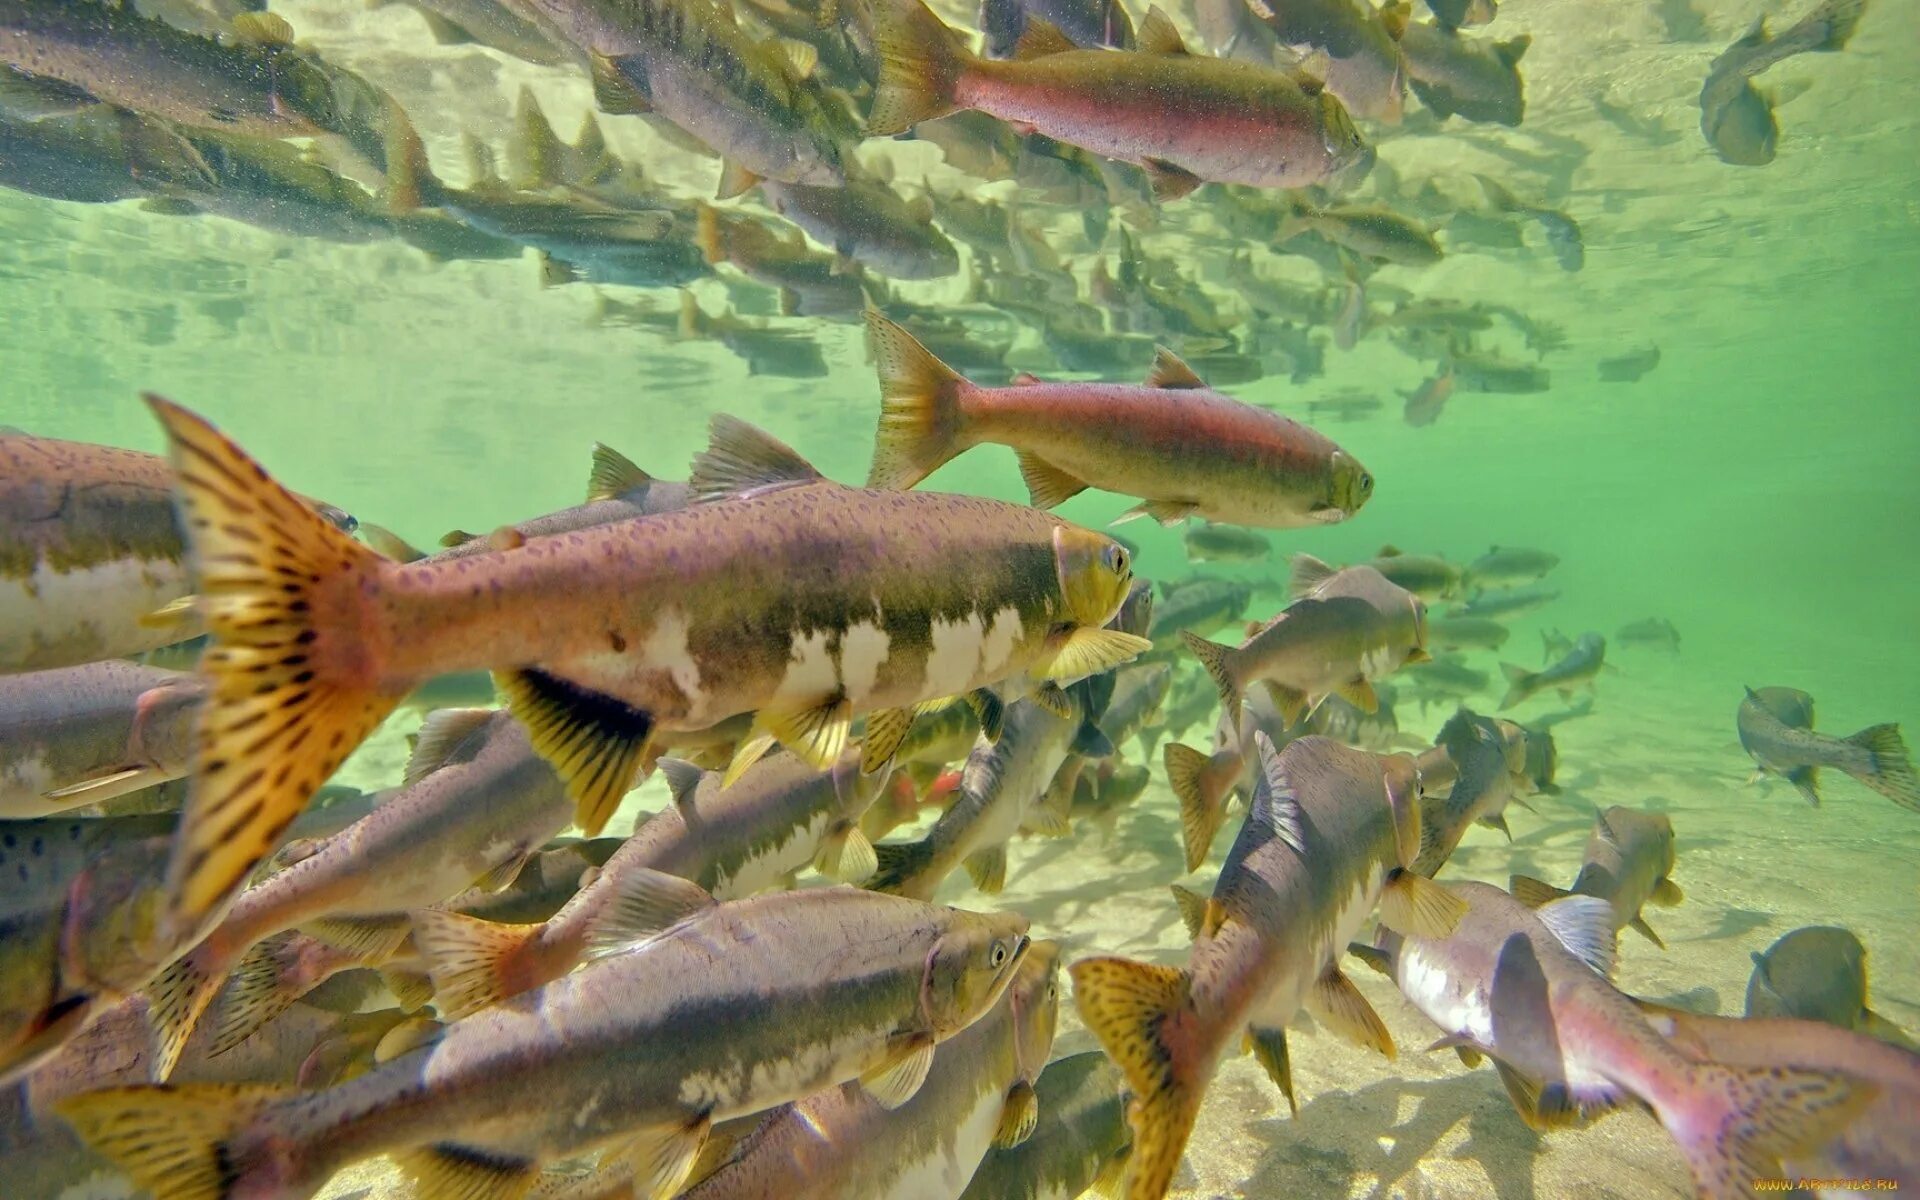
(1759, 488)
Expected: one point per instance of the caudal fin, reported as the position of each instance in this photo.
(1890, 768)
(1213, 656)
(1735, 1125)
(921, 422)
(1201, 784)
(176, 999)
(1520, 684)
(921, 62)
(177, 1141)
(276, 583)
(475, 964)
(1131, 1007)
(904, 869)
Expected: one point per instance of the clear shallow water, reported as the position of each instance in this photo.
(1757, 489)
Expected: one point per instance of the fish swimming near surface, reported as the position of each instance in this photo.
(887, 599)
(691, 63)
(1736, 117)
(617, 490)
(1475, 78)
(1628, 863)
(1329, 835)
(1819, 973)
(1576, 668)
(1529, 989)
(819, 987)
(1185, 449)
(1082, 22)
(1776, 730)
(868, 222)
(1186, 118)
(1363, 63)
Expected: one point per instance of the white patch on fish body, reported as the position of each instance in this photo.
(810, 669)
(863, 650)
(954, 655)
(24, 782)
(50, 607)
(950, 1164)
(1354, 911)
(763, 871)
(667, 647)
(725, 1093)
(1002, 634)
(1459, 1010)
(1378, 662)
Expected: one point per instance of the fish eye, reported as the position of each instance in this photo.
(1116, 559)
(997, 957)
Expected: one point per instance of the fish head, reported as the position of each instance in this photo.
(1095, 574)
(1349, 157)
(1033, 997)
(1349, 486)
(1401, 775)
(970, 966)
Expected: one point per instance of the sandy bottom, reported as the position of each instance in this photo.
(1754, 863)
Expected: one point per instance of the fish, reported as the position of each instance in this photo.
(1181, 447)
(1736, 118)
(477, 803)
(637, 631)
(979, 1093)
(617, 490)
(1654, 632)
(491, 23)
(1462, 14)
(1503, 602)
(1576, 669)
(1529, 989)
(1080, 1140)
(810, 283)
(1007, 785)
(1425, 403)
(1350, 404)
(1361, 44)
(690, 63)
(1819, 973)
(1354, 628)
(1139, 692)
(93, 558)
(1203, 607)
(1328, 837)
(819, 987)
(1203, 783)
(1543, 756)
(1776, 731)
(79, 898)
(1628, 863)
(91, 733)
(1466, 633)
(791, 353)
(1085, 23)
(1630, 367)
(867, 221)
(1486, 764)
(1207, 542)
(1876, 1144)
(1447, 677)
(1238, 122)
(1427, 576)
(1474, 372)
(781, 816)
(580, 239)
(1100, 795)
(1373, 233)
(1475, 78)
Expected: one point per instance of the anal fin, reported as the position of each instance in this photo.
(594, 742)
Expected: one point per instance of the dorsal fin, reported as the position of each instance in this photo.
(592, 141)
(261, 29)
(1511, 50)
(1168, 371)
(741, 458)
(1040, 39)
(802, 57)
(482, 170)
(1310, 73)
(1274, 800)
(613, 474)
(444, 732)
(534, 153)
(1584, 925)
(1158, 35)
(1394, 18)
